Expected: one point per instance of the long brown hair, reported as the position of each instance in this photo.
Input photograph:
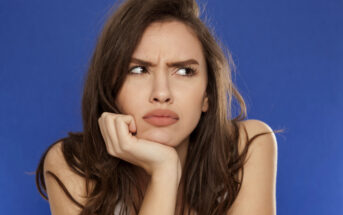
(210, 173)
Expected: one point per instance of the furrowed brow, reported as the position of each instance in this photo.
(172, 64)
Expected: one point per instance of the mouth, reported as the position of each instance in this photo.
(160, 120)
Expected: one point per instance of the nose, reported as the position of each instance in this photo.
(160, 88)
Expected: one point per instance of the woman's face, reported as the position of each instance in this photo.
(161, 85)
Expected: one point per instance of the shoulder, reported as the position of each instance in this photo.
(261, 136)
(263, 144)
(63, 185)
(257, 193)
(55, 162)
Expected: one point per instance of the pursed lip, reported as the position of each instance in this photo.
(161, 117)
(161, 113)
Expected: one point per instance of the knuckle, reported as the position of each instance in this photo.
(128, 117)
(106, 115)
(103, 114)
(108, 119)
(117, 119)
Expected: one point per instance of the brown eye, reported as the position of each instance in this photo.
(187, 71)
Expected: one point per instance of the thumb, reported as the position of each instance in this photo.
(132, 125)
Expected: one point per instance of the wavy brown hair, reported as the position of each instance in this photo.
(210, 175)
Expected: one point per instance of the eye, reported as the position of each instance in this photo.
(137, 70)
(187, 71)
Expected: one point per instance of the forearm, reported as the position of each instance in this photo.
(161, 193)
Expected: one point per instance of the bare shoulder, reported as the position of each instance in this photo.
(265, 140)
(63, 183)
(258, 189)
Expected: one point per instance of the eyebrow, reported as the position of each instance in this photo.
(172, 64)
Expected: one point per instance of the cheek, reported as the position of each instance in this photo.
(190, 99)
(129, 98)
(191, 107)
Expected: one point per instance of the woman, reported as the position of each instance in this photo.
(158, 133)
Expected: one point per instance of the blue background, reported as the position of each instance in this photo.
(289, 57)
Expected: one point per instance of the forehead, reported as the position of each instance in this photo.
(169, 40)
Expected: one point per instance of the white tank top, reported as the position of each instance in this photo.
(117, 208)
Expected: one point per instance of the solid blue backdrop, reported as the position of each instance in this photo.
(289, 57)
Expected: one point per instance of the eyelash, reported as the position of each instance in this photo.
(192, 70)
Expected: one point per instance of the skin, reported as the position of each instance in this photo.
(157, 80)
(157, 149)
(161, 86)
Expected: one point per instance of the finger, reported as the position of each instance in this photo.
(105, 135)
(109, 121)
(123, 124)
(126, 140)
(132, 126)
(102, 129)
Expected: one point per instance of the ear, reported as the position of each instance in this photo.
(205, 104)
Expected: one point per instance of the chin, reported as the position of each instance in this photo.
(158, 137)
(161, 140)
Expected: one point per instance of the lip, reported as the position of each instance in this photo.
(161, 117)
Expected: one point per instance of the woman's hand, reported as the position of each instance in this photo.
(153, 157)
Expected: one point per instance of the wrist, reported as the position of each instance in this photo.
(169, 173)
